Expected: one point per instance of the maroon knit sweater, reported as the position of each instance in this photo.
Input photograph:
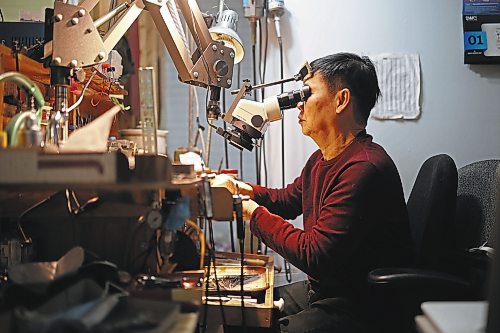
(354, 216)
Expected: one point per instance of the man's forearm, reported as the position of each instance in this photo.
(284, 202)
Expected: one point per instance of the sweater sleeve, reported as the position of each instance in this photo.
(286, 202)
(326, 246)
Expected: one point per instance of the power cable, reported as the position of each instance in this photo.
(254, 67)
(226, 153)
(212, 250)
(226, 157)
(262, 74)
(288, 272)
(241, 151)
(242, 291)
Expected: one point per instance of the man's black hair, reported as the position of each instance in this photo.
(348, 70)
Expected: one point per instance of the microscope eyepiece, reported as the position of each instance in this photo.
(290, 99)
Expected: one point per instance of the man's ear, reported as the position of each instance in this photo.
(342, 98)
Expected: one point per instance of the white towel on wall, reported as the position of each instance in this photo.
(399, 81)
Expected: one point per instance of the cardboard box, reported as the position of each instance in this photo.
(481, 24)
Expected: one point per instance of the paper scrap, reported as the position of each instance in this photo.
(92, 138)
(399, 82)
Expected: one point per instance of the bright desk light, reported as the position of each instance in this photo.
(225, 30)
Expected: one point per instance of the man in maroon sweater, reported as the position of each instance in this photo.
(351, 199)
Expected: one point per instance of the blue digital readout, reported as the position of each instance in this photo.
(475, 40)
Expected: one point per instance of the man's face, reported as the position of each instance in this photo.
(318, 112)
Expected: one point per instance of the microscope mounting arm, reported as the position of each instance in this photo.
(76, 42)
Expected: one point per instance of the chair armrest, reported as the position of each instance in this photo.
(396, 278)
(400, 292)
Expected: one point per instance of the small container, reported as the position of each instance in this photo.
(135, 135)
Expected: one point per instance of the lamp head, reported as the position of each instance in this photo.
(225, 30)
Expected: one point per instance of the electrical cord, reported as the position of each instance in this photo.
(288, 272)
(27, 240)
(242, 291)
(16, 49)
(202, 241)
(226, 153)
(283, 117)
(231, 231)
(261, 150)
(240, 225)
(80, 99)
(264, 62)
(226, 157)
(160, 259)
(74, 206)
(212, 250)
(197, 104)
(241, 152)
(205, 312)
(262, 79)
(254, 66)
(257, 149)
(209, 141)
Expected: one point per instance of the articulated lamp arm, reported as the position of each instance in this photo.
(76, 41)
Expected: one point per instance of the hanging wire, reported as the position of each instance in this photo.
(212, 250)
(226, 152)
(242, 291)
(262, 73)
(209, 141)
(241, 152)
(226, 158)
(80, 99)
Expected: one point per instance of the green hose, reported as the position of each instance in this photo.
(29, 88)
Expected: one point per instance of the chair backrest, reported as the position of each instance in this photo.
(476, 204)
(431, 209)
(493, 325)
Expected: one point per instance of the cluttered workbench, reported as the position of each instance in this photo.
(99, 88)
(106, 233)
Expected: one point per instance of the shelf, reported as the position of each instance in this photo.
(41, 75)
(24, 169)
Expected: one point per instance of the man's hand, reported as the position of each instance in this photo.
(234, 186)
(248, 207)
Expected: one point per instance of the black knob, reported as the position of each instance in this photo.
(221, 68)
(257, 121)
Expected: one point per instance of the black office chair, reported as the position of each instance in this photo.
(475, 220)
(493, 323)
(431, 209)
(476, 203)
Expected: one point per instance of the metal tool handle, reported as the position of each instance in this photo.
(238, 209)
